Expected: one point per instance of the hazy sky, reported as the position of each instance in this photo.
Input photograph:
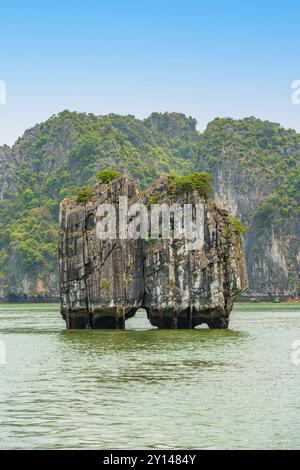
(205, 59)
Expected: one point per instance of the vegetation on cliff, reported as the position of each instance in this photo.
(256, 161)
(105, 176)
(256, 168)
(61, 157)
(85, 194)
(267, 150)
(199, 182)
(283, 203)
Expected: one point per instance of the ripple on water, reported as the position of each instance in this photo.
(144, 388)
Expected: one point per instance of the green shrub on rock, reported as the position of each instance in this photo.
(200, 182)
(238, 225)
(105, 176)
(85, 194)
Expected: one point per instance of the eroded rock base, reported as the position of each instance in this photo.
(183, 321)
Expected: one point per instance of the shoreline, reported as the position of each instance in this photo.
(237, 301)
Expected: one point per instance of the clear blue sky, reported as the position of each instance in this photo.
(205, 59)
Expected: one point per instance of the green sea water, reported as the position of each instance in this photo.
(147, 389)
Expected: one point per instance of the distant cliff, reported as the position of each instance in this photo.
(255, 165)
(256, 170)
(104, 282)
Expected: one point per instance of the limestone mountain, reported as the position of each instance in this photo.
(255, 165)
(54, 158)
(256, 169)
(104, 281)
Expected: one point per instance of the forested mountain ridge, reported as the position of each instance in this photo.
(256, 170)
(255, 164)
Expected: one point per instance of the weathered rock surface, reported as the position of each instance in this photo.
(250, 161)
(104, 282)
(101, 281)
(183, 287)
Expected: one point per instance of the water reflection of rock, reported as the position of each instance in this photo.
(148, 357)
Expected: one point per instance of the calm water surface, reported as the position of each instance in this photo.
(149, 389)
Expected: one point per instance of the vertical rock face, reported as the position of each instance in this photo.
(273, 256)
(186, 287)
(7, 168)
(103, 282)
(252, 165)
